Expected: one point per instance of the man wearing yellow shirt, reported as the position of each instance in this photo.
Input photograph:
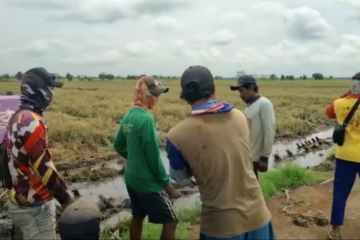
(347, 155)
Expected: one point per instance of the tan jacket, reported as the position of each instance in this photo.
(216, 147)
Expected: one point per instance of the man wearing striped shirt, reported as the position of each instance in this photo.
(35, 181)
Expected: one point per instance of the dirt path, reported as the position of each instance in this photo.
(308, 200)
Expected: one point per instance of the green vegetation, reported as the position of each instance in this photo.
(286, 176)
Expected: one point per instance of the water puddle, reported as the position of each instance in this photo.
(310, 159)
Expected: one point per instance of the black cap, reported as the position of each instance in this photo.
(196, 74)
(48, 78)
(242, 80)
(356, 76)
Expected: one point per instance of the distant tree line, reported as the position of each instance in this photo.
(108, 76)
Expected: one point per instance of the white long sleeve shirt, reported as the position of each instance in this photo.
(261, 121)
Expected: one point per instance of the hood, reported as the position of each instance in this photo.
(211, 107)
(8, 105)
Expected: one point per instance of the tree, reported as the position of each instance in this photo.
(273, 77)
(6, 76)
(282, 77)
(318, 76)
(69, 77)
(304, 77)
(102, 76)
(291, 77)
(110, 76)
(18, 75)
(331, 77)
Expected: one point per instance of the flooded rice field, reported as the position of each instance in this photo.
(103, 183)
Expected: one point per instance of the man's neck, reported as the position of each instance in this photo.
(253, 99)
(200, 102)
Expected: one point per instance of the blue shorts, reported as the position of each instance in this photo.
(264, 233)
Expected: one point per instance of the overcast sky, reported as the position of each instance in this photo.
(166, 36)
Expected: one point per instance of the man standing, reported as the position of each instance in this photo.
(347, 164)
(261, 121)
(34, 180)
(212, 145)
(147, 182)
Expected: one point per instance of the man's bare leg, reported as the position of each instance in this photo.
(136, 227)
(169, 231)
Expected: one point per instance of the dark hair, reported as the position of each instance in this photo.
(356, 76)
(248, 85)
(193, 92)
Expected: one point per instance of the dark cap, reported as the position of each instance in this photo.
(196, 74)
(48, 78)
(155, 87)
(356, 76)
(80, 220)
(242, 80)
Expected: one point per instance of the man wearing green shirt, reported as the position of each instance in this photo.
(147, 182)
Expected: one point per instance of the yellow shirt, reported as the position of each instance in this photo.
(350, 151)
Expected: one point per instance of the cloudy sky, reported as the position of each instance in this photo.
(166, 36)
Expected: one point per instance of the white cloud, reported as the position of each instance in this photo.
(223, 37)
(167, 23)
(306, 23)
(101, 58)
(166, 36)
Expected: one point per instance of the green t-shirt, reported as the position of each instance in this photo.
(137, 141)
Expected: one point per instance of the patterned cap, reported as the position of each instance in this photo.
(155, 87)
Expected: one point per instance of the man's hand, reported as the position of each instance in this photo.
(346, 94)
(65, 205)
(263, 164)
(172, 192)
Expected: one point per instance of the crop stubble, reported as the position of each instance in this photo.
(83, 117)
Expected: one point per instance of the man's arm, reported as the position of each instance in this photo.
(120, 145)
(268, 124)
(33, 136)
(149, 142)
(179, 167)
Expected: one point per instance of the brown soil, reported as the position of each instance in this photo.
(80, 163)
(306, 215)
(89, 174)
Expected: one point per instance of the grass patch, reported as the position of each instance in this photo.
(288, 176)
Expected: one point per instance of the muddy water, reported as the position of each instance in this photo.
(310, 159)
(116, 187)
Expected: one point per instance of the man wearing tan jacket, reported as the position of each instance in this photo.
(212, 145)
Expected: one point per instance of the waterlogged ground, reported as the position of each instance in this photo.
(116, 187)
(105, 178)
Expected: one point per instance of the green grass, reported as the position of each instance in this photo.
(286, 176)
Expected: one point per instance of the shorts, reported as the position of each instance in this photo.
(157, 206)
